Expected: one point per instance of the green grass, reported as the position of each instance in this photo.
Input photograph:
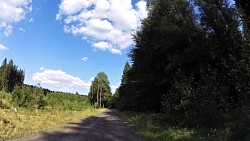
(152, 128)
(25, 122)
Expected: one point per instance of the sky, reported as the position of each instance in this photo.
(63, 44)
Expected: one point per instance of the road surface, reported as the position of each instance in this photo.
(106, 126)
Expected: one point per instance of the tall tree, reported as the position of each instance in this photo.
(125, 73)
(124, 81)
(162, 45)
(100, 91)
(190, 58)
(10, 76)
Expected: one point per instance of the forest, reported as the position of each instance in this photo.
(189, 68)
(191, 64)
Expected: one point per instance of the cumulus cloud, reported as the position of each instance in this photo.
(12, 11)
(2, 47)
(60, 81)
(106, 24)
(85, 59)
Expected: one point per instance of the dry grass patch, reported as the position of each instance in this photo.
(25, 122)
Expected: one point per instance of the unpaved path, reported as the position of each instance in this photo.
(106, 126)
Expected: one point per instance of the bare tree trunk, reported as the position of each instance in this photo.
(92, 97)
(97, 94)
(101, 98)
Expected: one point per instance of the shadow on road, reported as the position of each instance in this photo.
(104, 127)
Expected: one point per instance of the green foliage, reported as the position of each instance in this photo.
(126, 69)
(10, 76)
(115, 98)
(67, 101)
(191, 61)
(153, 127)
(24, 96)
(100, 92)
(4, 100)
(241, 130)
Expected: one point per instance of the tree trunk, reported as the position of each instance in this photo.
(92, 97)
(101, 98)
(97, 94)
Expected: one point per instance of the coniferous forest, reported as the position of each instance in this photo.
(189, 69)
(191, 61)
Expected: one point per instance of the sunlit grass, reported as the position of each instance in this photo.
(25, 122)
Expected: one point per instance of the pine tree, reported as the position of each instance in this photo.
(100, 92)
(125, 74)
(10, 76)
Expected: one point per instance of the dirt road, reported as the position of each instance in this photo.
(106, 126)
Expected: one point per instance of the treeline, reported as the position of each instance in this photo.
(100, 92)
(190, 60)
(19, 94)
(10, 76)
(66, 101)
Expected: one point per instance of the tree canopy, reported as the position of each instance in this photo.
(10, 76)
(100, 92)
(191, 58)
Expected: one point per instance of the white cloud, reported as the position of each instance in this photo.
(102, 45)
(114, 87)
(12, 11)
(21, 29)
(85, 59)
(2, 47)
(106, 46)
(108, 24)
(60, 81)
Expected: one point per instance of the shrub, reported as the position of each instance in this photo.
(24, 96)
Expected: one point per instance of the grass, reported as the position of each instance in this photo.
(28, 121)
(151, 128)
(25, 122)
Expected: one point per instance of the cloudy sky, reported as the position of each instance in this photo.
(63, 44)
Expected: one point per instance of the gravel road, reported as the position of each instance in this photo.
(106, 126)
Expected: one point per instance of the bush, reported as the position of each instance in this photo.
(67, 101)
(24, 96)
(4, 100)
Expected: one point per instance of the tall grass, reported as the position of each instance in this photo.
(61, 109)
(25, 121)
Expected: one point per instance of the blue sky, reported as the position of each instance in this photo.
(63, 44)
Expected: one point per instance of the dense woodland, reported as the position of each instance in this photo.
(191, 61)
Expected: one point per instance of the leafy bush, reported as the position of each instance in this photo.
(4, 100)
(67, 101)
(24, 96)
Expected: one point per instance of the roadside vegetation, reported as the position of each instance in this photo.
(190, 67)
(33, 120)
(27, 109)
(161, 127)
